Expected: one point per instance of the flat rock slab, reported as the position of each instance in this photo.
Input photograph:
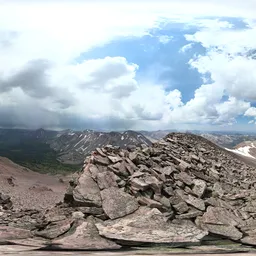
(11, 233)
(149, 226)
(117, 203)
(84, 237)
(32, 243)
(220, 216)
(55, 229)
(87, 192)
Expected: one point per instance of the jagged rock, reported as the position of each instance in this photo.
(163, 200)
(149, 226)
(168, 190)
(84, 236)
(100, 151)
(98, 159)
(181, 207)
(184, 177)
(196, 202)
(55, 229)
(115, 159)
(167, 170)
(117, 203)
(221, 216)
(218, 190)
(139, 184)
(199, 187)
(119, 169)
(224, 230)
(107, 180)
(87, 192)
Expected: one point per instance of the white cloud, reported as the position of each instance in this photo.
(251, 112)
(164, 39)
(186, 47)
(229, 62)
(43, 85)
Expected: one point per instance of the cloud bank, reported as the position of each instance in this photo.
(46, 82)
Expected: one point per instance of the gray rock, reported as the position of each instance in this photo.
(196, 202)
(199, 187)
(115, 159)
(87, 192)
(11, 233)
(55, 229)
(168, 190)
(117, 203)
(106, 180)
(224, 230)
(139, 184)
(251, 240)
(181, 207)
(149, 226)
(184, 177)
(77, 215)
(97, 159)
(84, 237)
(221, 216)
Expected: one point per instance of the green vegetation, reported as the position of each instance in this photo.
(35, 155)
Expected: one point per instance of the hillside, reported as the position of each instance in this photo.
(74, 146)
(28, 189)
(60, 151)
(182, 191)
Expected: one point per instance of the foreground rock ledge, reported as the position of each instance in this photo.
(149, 226)
(180, 191)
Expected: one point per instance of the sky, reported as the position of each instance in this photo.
(118, 65)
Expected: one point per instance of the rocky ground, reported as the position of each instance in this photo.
(28, 189)
(184, 191)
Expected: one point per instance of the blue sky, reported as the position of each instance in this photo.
(127, 65)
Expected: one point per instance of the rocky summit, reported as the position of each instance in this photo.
(181, 191)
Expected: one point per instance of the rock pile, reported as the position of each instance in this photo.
(180, 191)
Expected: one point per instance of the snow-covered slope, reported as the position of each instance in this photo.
(247, 149)
(73, 146)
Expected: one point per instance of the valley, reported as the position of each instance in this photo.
(63, 152)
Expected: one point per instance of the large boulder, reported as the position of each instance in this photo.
(117, 203)
(87, 192)
(84, 236)
(150, 226)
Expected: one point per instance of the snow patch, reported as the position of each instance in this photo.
(245, 151)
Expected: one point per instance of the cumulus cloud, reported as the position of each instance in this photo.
(229, 62)
(45, 82)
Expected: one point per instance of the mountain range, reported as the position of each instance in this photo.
(60, 151)
(64, 151)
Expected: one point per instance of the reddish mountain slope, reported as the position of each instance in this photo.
(29, 189)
